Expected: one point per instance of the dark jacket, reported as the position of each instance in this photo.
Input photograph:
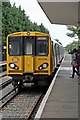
(78, 57)
(74, 58)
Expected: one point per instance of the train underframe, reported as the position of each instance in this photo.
(19, 80)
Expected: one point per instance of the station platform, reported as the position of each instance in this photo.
(61, 99)
(2, 63)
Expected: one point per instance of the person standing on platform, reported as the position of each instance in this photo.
(78, 60)
(74, 63)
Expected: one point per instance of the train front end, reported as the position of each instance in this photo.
(28, 56)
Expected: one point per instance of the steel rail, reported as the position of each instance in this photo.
(4, 103)
(28, 102)
(35, 107)
(8, 93)
(3, 85)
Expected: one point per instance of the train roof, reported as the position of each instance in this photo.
(55, 42)
(27, 32)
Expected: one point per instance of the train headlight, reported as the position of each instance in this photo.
(16, 68)
(28, 33)
(43, 66)
(40, 68)
(13, 66)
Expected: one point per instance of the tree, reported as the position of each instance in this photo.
(14, 20)
(71, 46)
(43, 29)
(74, 32)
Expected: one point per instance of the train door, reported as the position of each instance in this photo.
(29, 54)
(57, 53)
(53, 55)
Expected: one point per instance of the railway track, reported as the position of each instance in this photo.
(5, 83)
(23, 104)
(6, 98)
(4, 79)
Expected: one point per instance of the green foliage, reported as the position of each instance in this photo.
(74, 31)
(43, 29)
(14, 20)
(72, 45)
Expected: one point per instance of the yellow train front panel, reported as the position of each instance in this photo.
(29, 64)
(29, 53)
(42, 65)
(15, 65)
(14, 54)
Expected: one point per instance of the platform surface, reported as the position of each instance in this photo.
(63, 99)
(2, 63)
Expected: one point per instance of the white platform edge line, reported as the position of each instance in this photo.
(43, 103)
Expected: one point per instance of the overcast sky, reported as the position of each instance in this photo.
(36, 14)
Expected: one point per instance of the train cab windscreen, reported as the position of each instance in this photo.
(42, 46)
(29, 45)
(15, 45)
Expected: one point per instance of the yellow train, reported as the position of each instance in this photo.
(31, 56)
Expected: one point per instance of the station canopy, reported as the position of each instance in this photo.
(61, 11)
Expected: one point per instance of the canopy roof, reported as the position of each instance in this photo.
(60, 12)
